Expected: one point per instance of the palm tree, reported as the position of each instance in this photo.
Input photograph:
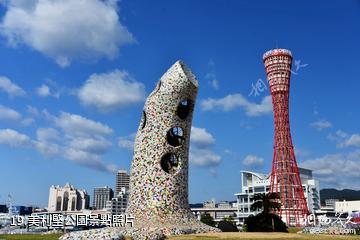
(266, 221)
(267, 202)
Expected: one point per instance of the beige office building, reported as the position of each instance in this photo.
(67, 198)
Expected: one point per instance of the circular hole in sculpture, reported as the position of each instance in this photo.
(183, 108)
(169, 163)
(175, 136)
(143, 120)
(158, 86)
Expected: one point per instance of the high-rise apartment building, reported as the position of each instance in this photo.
(101, 196)
(122, 181)
(117, 205)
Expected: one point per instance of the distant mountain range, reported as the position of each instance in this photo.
(196, 205)
(345, 194)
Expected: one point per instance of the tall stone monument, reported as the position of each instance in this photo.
(159, 173)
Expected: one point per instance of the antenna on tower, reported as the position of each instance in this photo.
(276, 44)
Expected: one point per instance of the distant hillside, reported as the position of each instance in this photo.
(196, 205)
(345, 194)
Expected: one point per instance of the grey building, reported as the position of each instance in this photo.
(122, 181)
(218, 211)
(330, 203)
(118, 204)
(101, 196)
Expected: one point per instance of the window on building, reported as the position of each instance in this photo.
(66, 201)
(58, 204)
(73, 203)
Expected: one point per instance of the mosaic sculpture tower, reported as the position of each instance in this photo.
(158, 198)
(159, 172)
(285, 178)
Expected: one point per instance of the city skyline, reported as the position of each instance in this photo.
(71, 103)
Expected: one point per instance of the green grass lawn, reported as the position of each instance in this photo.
(294, 229)
(30, 236)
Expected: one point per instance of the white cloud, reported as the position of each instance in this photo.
(87, 159)
(321, 124)
(211, 76)
(110, 91)
(32, 111)
(48, 148)
(10, 88)
(43, 91)
(84, 140)
(9, 114)
(338, 137)
(66, 30)
(213, 172)
(46, 134)
(127, 142)
(76, 125)
(301, 152)
(27, 121)
(90, 145)
(201, 138)
(204, 157)
(252, 160)
(341, 134)
(233, 101)
(14, 139)
(342, 169)
(352, 141)
(201, 153)
(84, 151)
(344, 139)
(77, 138)
(214, 83)
(51, 88)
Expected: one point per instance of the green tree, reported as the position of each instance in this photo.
(266, 202)
(207, 219)
(227, 224)
(265, 221)
(229, 219)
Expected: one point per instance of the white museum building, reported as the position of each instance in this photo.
(67, 198)
(253, 183)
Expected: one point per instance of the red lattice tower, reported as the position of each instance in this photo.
(285, 178)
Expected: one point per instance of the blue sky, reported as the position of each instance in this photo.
(74, 76)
